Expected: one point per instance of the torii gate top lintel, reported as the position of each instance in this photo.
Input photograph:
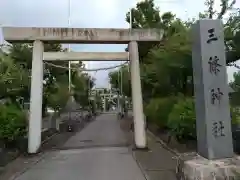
(80, 35)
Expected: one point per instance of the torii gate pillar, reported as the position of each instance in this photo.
(139, 122)
(35, 119)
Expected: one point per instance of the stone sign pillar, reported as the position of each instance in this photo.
(215, 158)
(139, 124)
(211, 90)
(35, 118)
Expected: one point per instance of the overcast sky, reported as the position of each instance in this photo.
(87, 14)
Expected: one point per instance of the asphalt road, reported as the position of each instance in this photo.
(98, 152)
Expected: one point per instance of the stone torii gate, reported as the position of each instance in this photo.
(88, 36)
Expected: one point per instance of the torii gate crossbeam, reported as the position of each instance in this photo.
(85, 56)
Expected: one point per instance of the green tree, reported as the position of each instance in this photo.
(231, 27)
(232, 37)
(166, 67)
(14, 80)
(212, 13)
(59, 98)
(147, 15)
(98, 101)
(83, 83)
(116, 81)
(235, 84)
(21, 55)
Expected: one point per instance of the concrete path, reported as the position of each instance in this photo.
(98, 152)
(158, 163)
(103, 132)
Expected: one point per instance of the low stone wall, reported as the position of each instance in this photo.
(195, 167)
(76, 121)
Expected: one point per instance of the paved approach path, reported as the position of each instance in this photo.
(98, 152)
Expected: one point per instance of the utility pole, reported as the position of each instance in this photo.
(69, 46)
(69, 62)
(118, 91)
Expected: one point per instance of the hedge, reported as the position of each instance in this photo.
(177, 114)
(157, 110)
(13, 123)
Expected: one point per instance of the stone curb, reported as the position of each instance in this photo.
(39, 157)
(165, 146)
(19, 173)
(140, 167)
(49, 138)
(162, 143)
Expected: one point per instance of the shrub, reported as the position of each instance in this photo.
(12, 123)
(235, 115)
(59, 99)
(182, 120)
(157, 110)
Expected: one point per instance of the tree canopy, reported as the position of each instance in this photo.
(16, 63)
(166, 67)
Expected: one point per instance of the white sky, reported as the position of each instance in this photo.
(90, 13)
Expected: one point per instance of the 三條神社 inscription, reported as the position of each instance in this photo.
(81, 35)
(211, 91)
(65, 32)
